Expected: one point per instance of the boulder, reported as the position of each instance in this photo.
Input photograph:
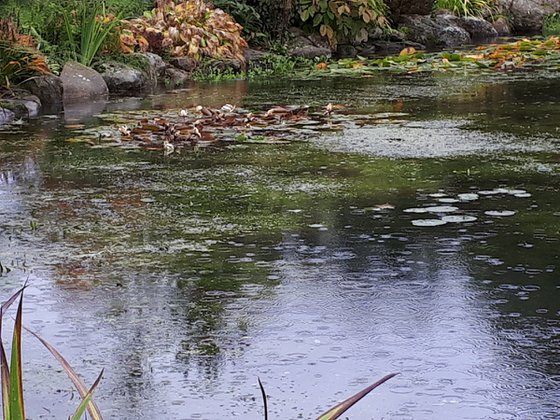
(307, 46)
(155, 66)
(22, 104)
(176, 77)
(502, 26)
(527, 15)
(81, 83)
(48, 88)
(409, 7)
(478, 29)
(6, 116)
(122, 78)
(184, 63)
(453, 36)
(444, 29)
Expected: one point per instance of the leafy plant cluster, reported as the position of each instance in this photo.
(466, 8)
(19, 60)
(191, 28)
(344, 20)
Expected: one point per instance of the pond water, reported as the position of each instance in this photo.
(309, 264)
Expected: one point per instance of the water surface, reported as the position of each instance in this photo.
(188, 276)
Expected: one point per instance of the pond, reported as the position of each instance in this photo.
(421, 238)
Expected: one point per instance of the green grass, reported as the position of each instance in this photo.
(466, 8)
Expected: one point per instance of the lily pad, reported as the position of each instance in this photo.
(428, 222)
(416, 210)
(442, 209)
(448, 200)
(458, 219)
(522, 195)
(438, 195)
(468, 197)
(500, 213)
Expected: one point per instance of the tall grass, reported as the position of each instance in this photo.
(466, 8)
(94, 26)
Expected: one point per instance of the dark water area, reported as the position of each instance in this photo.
(307, 264)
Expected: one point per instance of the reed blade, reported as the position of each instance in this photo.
(17, 408)
(339, 409)
(265, 401)
(87, 399)
(92, 408)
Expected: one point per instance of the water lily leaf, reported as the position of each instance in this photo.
(498, 213)
(458, 218)
(441, 209)
(428, 222)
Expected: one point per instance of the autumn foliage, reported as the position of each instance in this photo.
(189, 28)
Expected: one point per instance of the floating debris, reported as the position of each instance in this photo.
(428, 222)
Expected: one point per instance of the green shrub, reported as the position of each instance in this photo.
(551, 24)
(344, 21)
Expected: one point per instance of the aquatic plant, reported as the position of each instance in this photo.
(344, 20)
(339, 409)
(191, 28)
(13, 401)
(93, 25)
(465, 8)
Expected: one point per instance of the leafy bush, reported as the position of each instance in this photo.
(244, 14)
(551, 24)
(19, 60)
(475, 8)
(191, 28)
(344, 20)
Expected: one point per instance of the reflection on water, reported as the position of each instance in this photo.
(187, 277)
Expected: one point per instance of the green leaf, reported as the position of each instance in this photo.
(339, 409)
(17, 409)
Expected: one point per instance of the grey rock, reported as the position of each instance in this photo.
(409, 7)
(478, 28)
(156, 66)
(48, 88)
(176, 77)
(309, 51)
(502, 26)
(307, 46)
(121, 78)
(81, 83)
(346, 51)
(454, 36)
(184, 63)
(22, 104)
(527, 15)
(6, 116)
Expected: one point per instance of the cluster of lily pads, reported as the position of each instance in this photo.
(202, 126)
(523, 54)
(445, 207)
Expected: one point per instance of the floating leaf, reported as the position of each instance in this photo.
(428, 222)
(499, 213)
(441, 209)
(468, 197)
(458, 219)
